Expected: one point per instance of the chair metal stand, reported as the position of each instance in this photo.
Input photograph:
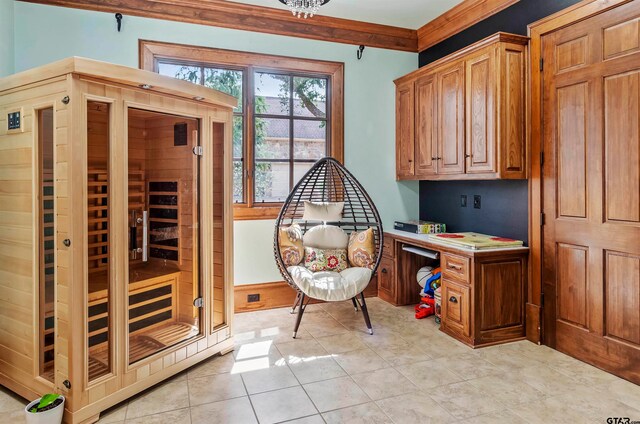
(303, 306)
(365, 312)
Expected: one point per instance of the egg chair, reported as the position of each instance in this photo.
(329, 183)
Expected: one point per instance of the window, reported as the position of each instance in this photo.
(289, 115)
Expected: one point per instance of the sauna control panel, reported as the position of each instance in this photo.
(14, 120)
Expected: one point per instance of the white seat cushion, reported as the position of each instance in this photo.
(331, 286)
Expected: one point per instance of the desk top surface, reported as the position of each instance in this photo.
(425, 240)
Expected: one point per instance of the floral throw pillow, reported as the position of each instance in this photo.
(362, 249)
(316, 260)
(291, 249)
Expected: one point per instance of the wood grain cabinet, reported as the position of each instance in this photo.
(462, 117)
(483, 292)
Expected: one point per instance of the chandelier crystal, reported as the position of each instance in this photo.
(304, 8)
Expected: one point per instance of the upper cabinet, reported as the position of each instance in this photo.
(462, 117)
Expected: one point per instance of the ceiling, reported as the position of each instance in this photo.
(402, 13)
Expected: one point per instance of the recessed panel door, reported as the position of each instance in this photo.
(451, 120)
(591, 180)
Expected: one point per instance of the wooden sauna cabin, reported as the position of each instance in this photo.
(115, 231)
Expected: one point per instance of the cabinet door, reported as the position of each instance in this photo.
(480, 87)
(426, 125)
(405, 130)
(455, 307)
(451, 120)
(386, 280)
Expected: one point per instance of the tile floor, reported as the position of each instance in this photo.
(407, 372)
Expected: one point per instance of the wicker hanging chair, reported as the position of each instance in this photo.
(329, 181)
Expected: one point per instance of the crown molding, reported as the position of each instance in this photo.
(457, 19)
(246, 17)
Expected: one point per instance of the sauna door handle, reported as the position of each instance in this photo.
(145, 236)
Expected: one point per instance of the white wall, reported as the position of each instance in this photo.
(6, 37)
(46, 33)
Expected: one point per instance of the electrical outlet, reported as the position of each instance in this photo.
(477, 202)
(463, 201)
(253, 298)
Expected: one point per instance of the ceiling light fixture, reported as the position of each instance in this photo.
(304, 8)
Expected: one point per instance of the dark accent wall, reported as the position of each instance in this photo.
(504, 210)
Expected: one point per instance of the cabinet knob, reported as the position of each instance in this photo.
(453, 299)
(66, 242)
(467, 156)
(410, 160)
(434, 158)
(384, 270)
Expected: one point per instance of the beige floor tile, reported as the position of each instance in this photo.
(13, 417)
(341, 343)
(313, 419)
(367, 413)
(328, 327)
(437, 345)
(216, 365)
(318, 368)
(384, 383)
(335, 394)
(598, 405)
(401, 354)
(295, 350)
(282, 405)
(428, 374)
(500, 417)
(215, 388)
(181, 416)
(414, 408)
(506, 361)
(166, 397)
(469, 366)
(272, 378)
(624, 391)
(236, 411)
(361, 360)
(550, 410)
(114, 415)
(464, 400)
(585, 374)
(547, 380)
(507, 389)
(256, 350)
(9, 401)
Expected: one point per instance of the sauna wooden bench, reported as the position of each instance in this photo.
(483, 291)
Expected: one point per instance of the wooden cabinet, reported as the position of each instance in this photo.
(386, 279)
(462, 117)
(483, 292)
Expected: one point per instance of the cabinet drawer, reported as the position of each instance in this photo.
(455, 267)
(455, 307)
(388, 247)
(386, 279)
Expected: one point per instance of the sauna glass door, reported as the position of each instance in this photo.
(163, 283)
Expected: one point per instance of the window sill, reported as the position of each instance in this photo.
(245, 213)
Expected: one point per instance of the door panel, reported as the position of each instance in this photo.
(405, 130)
(480, 113)
(451, 120)
(591, 186)
(426, 126)
(622, 147)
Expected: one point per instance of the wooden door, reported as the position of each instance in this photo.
(426, 126)
(451, 120)
(591, 185)
(480, 82)
(405, 105)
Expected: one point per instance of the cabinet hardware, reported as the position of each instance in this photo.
(384, 270)
(67, 384)
(198, 302)
(456, 267)
(467, 156)
(66, 242)
(434, 158)
(453, 299)
(66, 100)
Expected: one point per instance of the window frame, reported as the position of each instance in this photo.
(153, 52)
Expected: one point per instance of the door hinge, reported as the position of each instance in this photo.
(198, 150)
(198, 302)
(542, 219)
(541, 159)
(541, 64)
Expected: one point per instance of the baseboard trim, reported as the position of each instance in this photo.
(277, 294)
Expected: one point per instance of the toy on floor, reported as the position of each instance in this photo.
(426, 308)
(432, 283)
(424, 274)
(438, 305)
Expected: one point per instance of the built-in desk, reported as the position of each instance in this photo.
(483, 291)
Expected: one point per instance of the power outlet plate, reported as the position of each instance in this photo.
(477, 202)
(253, 298)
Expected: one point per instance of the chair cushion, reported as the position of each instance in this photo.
(290, 243)
(329, 285)
(362, 249)
(326, 237)
(316, 260)
(324, 211)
